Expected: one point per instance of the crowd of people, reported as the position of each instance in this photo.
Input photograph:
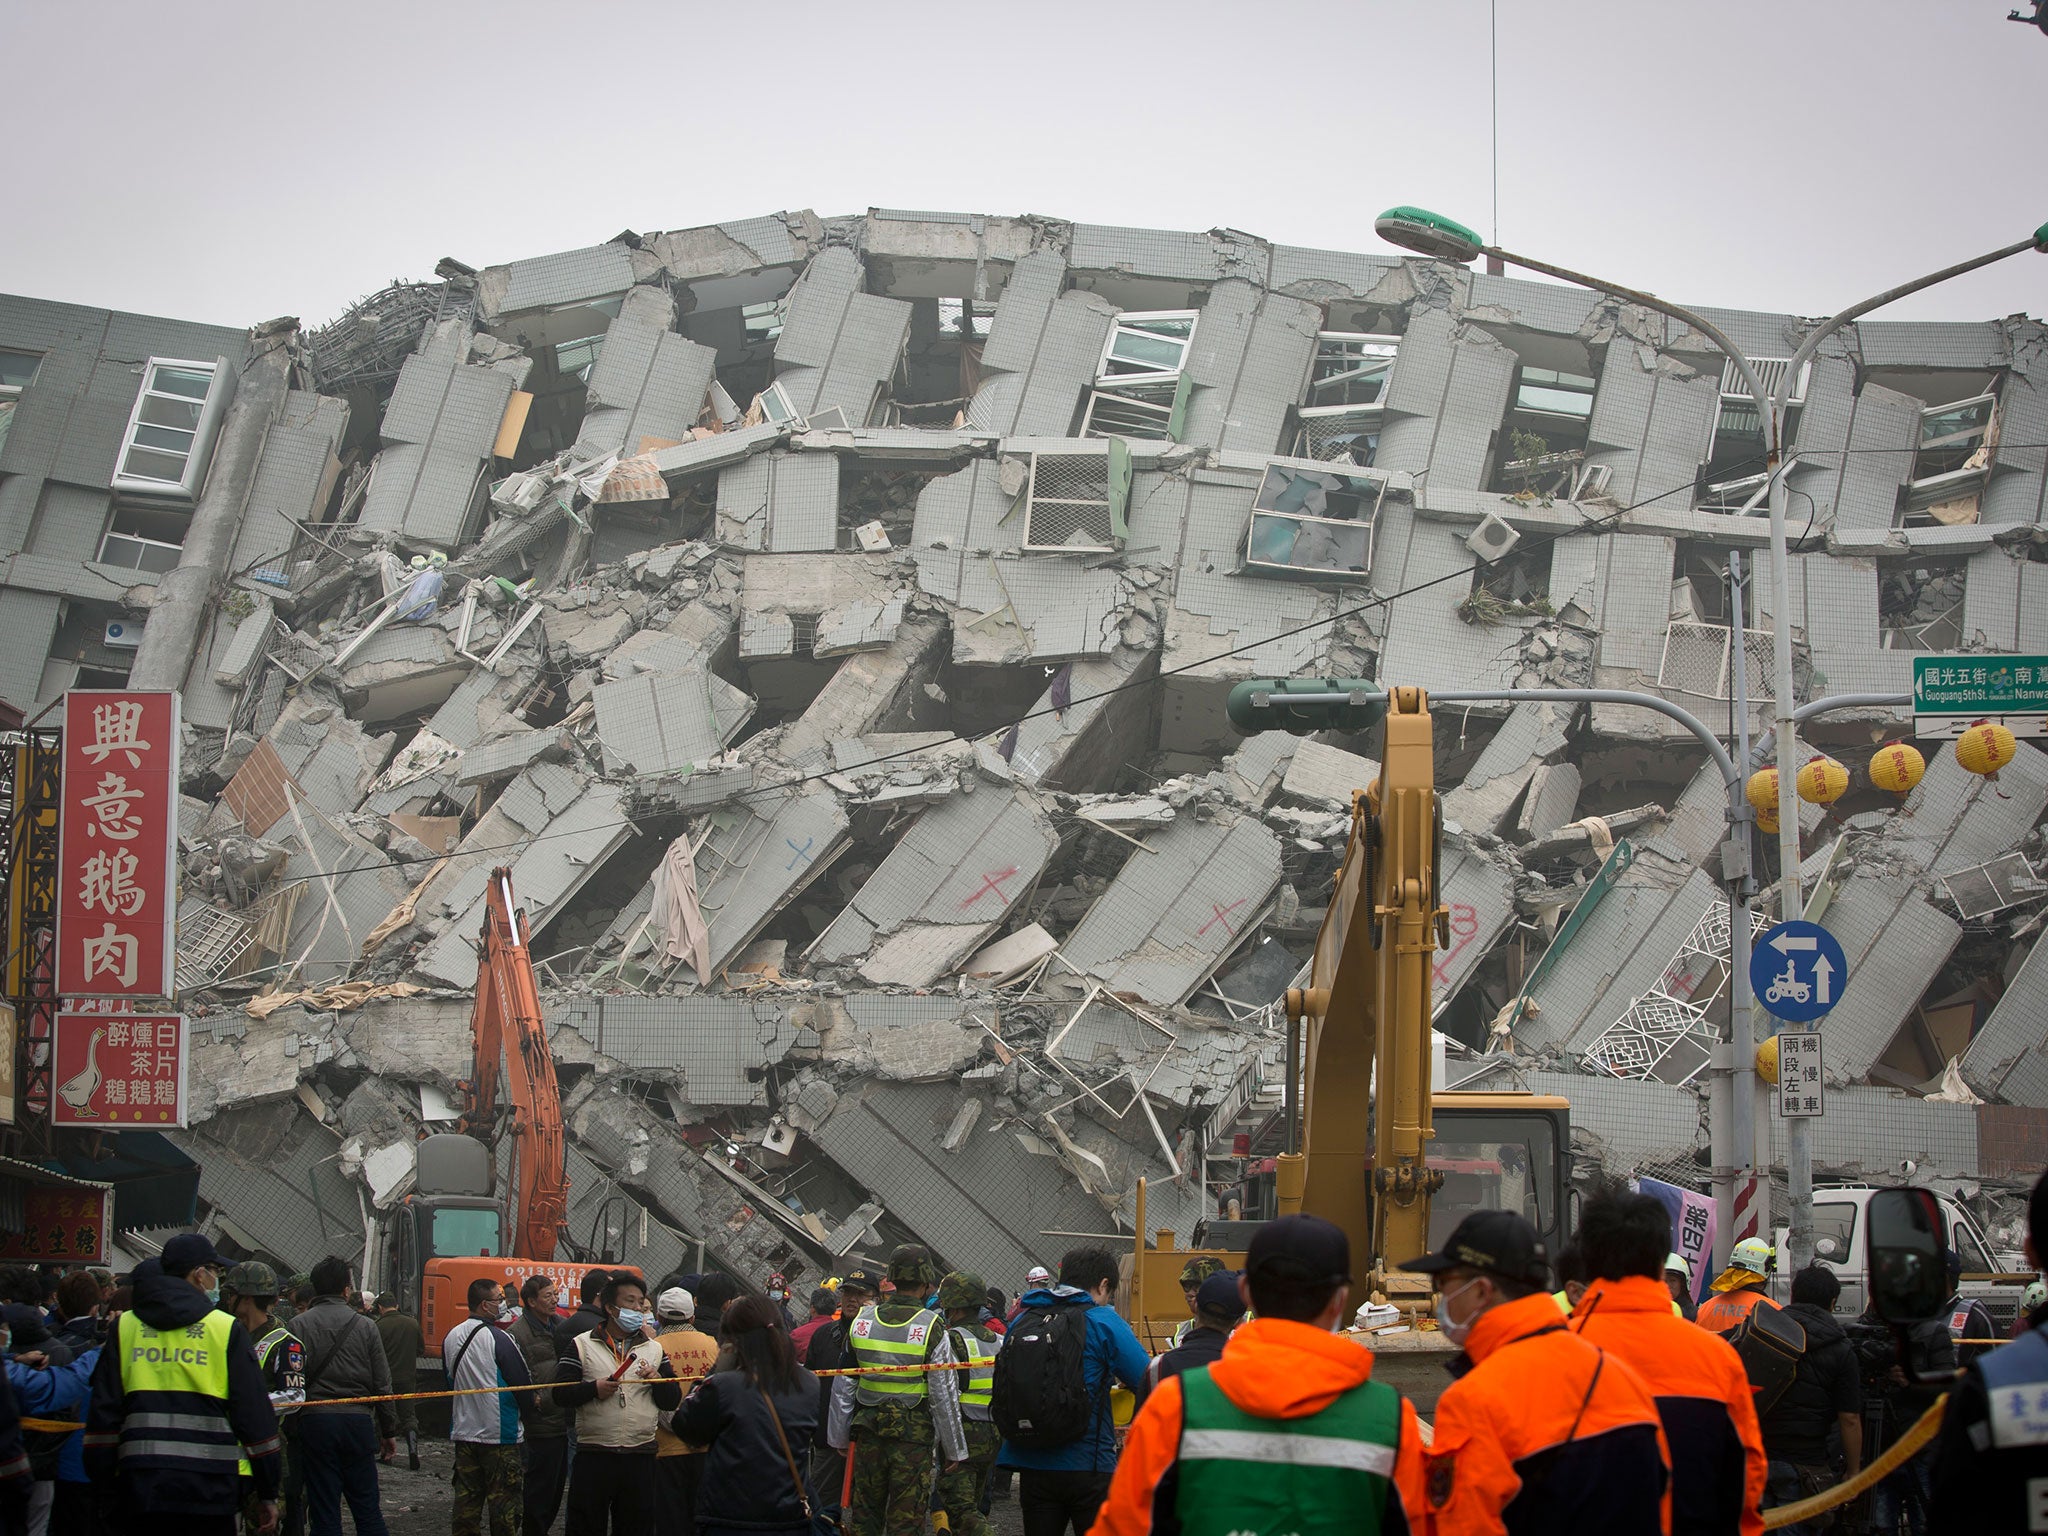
(1586, 1396)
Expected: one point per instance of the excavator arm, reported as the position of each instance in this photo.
(506, 1028)
(1366, 1008)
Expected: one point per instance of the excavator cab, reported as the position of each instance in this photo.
(1501, 1152)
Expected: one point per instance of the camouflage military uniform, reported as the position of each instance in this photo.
(894, 1441)
(1192, 1274)
(490, 1485)
(960, 1493)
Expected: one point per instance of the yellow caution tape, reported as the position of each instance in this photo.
(1907, 1446)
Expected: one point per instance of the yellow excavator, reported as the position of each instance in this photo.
(1369, 1145)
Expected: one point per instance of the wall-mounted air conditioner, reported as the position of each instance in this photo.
(1492, 538)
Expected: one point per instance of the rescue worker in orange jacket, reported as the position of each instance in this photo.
(1718, 1463)
(1543, 1430)
(1288, 1430)
(1739, 1287)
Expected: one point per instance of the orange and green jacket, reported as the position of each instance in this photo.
(1274, 1370)
(1703, 1396)
(1545, 1431)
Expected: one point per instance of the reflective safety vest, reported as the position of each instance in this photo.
(174, 1397)
(1725, 1312)
(875, 1342)
(978, 1390)
(1322, 1475)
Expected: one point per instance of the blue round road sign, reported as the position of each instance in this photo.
(1798, 971)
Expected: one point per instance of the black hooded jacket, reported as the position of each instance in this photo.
(165, 1303)
(1828, 1383)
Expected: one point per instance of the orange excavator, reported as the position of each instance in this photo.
(454, 1228)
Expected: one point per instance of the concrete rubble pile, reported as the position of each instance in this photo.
(829, 622)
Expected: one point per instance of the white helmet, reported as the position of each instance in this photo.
(1674, 1264)
(1752, 1254)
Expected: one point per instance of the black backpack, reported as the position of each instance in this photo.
(1771, 1345)
(1040, 1397)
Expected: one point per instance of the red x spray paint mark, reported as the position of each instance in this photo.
(993, 882)
(1222, 916)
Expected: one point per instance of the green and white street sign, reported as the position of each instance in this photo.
(1952, 693)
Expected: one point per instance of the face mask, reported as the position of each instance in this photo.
(631, 1321)
(213, 1295)
(508, 1314)
(1455, 1332)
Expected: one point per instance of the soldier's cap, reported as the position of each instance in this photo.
(1218, 1297)
(1195, 1271)
(861, 1279)
(1306, 1249)
(963, 1291)
(251, 1278)
(1493, 1243)
(187, 1252)
(912, 1265)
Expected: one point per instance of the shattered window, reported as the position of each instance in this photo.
(573, 359)
(1313, 523)
(170, 431)
(1338, 434)
(1920, 604)
(1733, 479)
(1957, 442)
(950, 311)
(1142, 344)
(763, 321)
(144, 538)
(1351, 368)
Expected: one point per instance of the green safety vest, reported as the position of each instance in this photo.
(1320, 1476)
(875, 1342)
(978, 1391)
(174, 1390)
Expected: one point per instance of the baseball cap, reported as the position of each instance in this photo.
(675, 1302)
(187, 1252)
(1218, 1295)
(862, 1279)
(1302, 1248)
(1493, 1243)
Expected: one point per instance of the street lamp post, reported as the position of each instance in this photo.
(1431, 234)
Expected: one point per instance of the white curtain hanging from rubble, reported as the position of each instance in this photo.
(675, 915)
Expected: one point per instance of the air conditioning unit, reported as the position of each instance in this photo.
(123, 634)
(1492, 538)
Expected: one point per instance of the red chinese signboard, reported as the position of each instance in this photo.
(117, 895)
(61, 1225)
(114, 1069)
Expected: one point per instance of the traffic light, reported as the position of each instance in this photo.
(1305, 705)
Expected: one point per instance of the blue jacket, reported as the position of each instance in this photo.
(58, 1393)
(1112, 1351)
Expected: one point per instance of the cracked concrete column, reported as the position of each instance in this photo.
(177, 617)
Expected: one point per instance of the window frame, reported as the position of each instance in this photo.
(1133, 370)
(198, 450)
(1365, 353)
(1360, 478)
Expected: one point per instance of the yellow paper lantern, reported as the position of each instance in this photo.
(1985, 748)
(1821, 781)
(1767, 820)
(1767, 1060)
(1897, 766)
(1763, 790)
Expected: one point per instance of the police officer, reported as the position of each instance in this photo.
(1192, 1274)
(249, 1294)
(895, 1418)
(178, 1404)
(960, 1488)
(1991, 1459)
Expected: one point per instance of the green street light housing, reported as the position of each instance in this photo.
(2041, 234)
(1333, 704)
(1431, 234)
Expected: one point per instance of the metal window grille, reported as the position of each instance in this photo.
(1331, 434)
(1068, 503)
(1696, 661)
(1770, 372)
(210, 942)
(1662, 1039)
(2003, 882)
(1145, 412)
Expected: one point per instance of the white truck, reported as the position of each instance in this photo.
(1839, 1243)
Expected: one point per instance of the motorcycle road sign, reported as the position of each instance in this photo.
(1798, 971)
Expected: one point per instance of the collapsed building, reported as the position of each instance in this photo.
(830, 621)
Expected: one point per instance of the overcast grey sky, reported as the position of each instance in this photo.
(229, 161)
